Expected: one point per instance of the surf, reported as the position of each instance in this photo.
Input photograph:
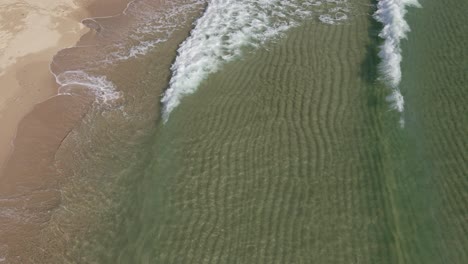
(130, 35)
(228, 27)
(391, 13)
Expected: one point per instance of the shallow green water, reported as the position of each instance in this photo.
(432, 182)
(290, 155)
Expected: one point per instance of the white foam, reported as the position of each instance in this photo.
(140, 49)
(150, 24)
(333, 19)
(219, 36)
(391, 14)
(103, 88)
(154, 25)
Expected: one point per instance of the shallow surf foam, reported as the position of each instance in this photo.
(391, 14)
(153, 25)
(229, 26)
(337, 14)
(100, 86)
(136, 31)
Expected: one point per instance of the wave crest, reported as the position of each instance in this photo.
(391, 14)
(225, 28)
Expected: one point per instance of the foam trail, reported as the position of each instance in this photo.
(391, 14)
(226, 27)
(103, 89)
(147, 24)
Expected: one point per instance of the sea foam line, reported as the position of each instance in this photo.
(391, 14)
(224, 30)
(103, 89)
(148, 26)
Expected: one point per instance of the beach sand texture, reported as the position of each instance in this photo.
(31, 33)
(33, 118)
(34, 223)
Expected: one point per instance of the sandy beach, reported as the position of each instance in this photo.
(31, 33)
(33, 118)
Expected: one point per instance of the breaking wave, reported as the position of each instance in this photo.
(391, 14)
(229, 26)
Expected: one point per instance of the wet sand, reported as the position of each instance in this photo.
(34, 119)
(31, 33)
(55, 187)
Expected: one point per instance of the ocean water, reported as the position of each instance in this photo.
(267, 131)
(228, 27)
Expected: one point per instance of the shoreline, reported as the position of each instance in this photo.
(24, 68)
(35, 119)
(58, 166)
